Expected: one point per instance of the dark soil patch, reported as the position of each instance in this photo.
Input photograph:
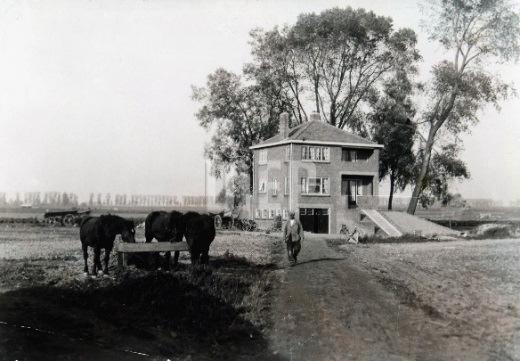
(215, 312)
(494, 233)
(408, 297)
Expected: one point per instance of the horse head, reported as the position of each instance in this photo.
(128, 231)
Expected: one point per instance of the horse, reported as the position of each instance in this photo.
(199, 230)
(100, 232)
(164, 227)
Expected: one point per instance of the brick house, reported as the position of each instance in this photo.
(326, 175)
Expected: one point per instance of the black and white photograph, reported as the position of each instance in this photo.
(250, 180)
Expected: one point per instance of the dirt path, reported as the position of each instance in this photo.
(328, 308)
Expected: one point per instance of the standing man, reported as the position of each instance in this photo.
(293, 236)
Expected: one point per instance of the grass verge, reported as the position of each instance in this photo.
(216, 312)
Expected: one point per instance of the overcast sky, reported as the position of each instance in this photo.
(95, 95)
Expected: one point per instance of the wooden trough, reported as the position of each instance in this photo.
(124, 248)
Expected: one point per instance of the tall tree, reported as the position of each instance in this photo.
(240, 115)
(478, 33)
(392, 127)
(335, 59)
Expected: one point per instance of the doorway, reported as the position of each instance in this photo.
(315, 220)
(354, 187)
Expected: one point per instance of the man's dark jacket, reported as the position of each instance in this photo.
(293, 233)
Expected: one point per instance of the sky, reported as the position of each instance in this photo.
(95, 96)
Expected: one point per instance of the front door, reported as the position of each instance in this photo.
(315, 220)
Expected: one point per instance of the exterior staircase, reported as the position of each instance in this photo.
(381, 222)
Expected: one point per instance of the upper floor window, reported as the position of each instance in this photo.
(262, 156)
(287, 153)
(318, 185)
(274, 186)
(355, 155)
(262, 186)
(314, 153)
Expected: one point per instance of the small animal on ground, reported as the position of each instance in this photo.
(100, 233)
(164, 227)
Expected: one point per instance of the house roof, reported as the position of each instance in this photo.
(318, 132)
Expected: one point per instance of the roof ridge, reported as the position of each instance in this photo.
(349, 133)
(321, 132)
(302, 129)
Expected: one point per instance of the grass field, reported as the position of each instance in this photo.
(461, 299)
(208, 312)
(468, 289)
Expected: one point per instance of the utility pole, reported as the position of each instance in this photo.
(205, 186)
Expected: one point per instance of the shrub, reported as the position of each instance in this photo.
(277, 223)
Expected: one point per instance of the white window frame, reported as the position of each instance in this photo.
(262, 156)
(278, 212)
(271, 213)
(313, 153)
(285, 214)
(258, 213)
(275, 187)
(304, 182)
(303, 185)
(265, 213)
(262, 186)
(287, 153)
(359, 187)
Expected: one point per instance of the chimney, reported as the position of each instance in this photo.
(283, 126)
(315, 116)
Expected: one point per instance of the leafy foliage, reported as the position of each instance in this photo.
(240, 115)
(478, 33)
(336, 58)
(445, 167)
(392, 127)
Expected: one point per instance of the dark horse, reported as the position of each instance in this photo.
(164, 227)
(100, 232)
(199, 230)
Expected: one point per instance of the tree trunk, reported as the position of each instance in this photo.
(391, 197)
(412, 206)
(317, 94)
(250, 172)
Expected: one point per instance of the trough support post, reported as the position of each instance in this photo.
(121, 260)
